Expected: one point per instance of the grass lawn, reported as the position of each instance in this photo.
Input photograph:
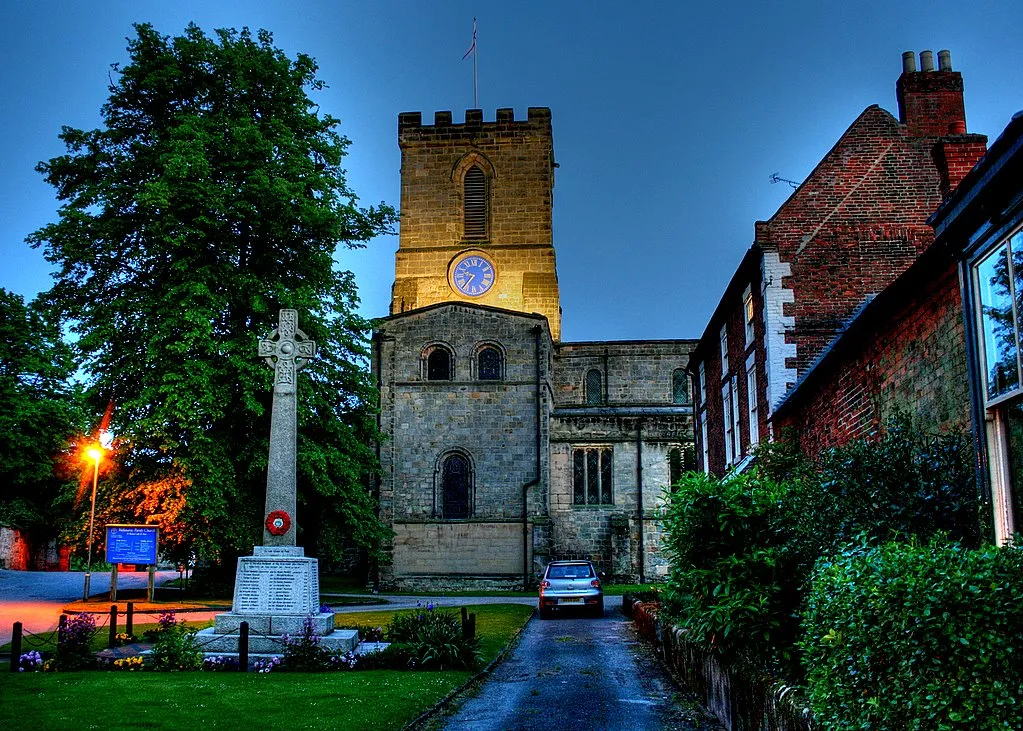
(375, 699)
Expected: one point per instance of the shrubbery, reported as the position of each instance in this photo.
(743, 550)
(174, 646)
(916, 637)
(427, 639)
(732, 584)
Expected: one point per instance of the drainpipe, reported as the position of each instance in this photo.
(378, 352)
(537, 330)
(639, 495)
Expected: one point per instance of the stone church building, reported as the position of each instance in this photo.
(505, 447)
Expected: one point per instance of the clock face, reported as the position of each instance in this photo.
(473, 275)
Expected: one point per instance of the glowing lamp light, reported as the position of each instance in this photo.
(96, 454)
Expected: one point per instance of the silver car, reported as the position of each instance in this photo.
(570, 585)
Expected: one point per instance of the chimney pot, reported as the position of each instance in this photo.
(908, 62)
(957, 127)
(944, 60)
(927, 60)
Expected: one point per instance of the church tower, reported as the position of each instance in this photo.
(476, 202)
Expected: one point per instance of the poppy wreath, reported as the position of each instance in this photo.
(278, 523)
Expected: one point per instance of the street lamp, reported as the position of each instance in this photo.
(96, 454)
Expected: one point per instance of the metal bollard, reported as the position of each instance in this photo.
(61, 630)
(129, 619)
(243, 647)
(113, 626)
(16, 648)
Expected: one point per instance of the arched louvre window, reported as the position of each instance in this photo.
(475, 201)
(679, 387)
(455, 487)
(438, 365)
(489, 364)
(594, 387)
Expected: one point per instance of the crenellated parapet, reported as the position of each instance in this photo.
(411, 128)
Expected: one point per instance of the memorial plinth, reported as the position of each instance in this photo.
(276, 590)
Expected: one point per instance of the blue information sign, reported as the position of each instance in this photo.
(132, 543)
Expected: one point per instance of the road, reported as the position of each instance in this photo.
(578, 673)
(35, 598)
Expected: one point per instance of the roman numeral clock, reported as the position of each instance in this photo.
(472, 274)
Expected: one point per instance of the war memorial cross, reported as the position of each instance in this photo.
(287, 354)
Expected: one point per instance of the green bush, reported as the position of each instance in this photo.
(732, 584)
(428, 639)
(922, 637)
(174, 646)
(900, 484)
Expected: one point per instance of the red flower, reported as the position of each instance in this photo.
(278, 523)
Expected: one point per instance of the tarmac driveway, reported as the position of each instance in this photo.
(578, 673)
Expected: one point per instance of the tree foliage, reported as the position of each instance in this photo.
(40, 411)
(212, 196)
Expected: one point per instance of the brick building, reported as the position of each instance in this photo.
(849, 230)
(505, 447)
(981, 225)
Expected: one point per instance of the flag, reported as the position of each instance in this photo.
(472, 46)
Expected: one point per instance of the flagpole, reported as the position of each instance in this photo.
(473, 51)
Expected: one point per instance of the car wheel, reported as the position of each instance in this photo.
(598, 611)
(544, 613)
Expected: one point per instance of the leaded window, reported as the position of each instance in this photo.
(456, 479)
(679, 387)
(594, 387)
(475, 202)
(489, 364)
(592, 481)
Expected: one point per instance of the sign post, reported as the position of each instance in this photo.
(132, 544)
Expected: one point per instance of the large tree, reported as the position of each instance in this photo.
(212, 196)
(40, 413)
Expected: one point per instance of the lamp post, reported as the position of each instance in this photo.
(96, 454)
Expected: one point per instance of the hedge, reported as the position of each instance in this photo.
(903, 636)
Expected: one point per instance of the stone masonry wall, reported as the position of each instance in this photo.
(492, 423)
(518, 160)
(636, 372)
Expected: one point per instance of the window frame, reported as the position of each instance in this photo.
(723, 338)
(747, 314)
(489, 347)
(602, 452)
(752, 410)
(679, 374)
(427, 354)
(440, 496)
(589, 397)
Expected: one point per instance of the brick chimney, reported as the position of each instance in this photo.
(930, 101)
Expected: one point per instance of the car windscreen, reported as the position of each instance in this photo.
(572, 571)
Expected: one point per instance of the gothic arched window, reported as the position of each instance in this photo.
(489, 364)
(679, 387)
(594, 387)
(456, 487)
(438, 365)
(474, 188)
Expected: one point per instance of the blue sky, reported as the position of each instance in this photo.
(669, 117)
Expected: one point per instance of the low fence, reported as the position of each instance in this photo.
(742, 700)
